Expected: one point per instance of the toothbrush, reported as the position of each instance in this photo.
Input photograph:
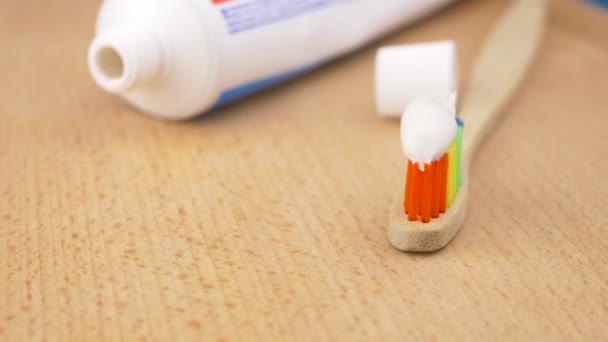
(502, 63)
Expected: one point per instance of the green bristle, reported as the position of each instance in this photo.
(459, 152)
(452, 179)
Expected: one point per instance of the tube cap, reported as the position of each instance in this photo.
(407, 72)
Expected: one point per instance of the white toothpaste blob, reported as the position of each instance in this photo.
(428, 127)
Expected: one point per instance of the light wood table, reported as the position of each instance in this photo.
(267, 220)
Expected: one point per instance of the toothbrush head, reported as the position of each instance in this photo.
(418, 221)
(417, 236)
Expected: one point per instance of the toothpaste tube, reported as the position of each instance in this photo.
(176, 59)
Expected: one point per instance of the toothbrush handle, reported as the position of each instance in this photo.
(501, 65)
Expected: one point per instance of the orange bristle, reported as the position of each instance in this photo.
(434, 169)
(425, 191)
(416, 187)
(443, 179)
(408, 188)
(426, 194)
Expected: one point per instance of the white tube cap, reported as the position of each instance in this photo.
(407, 72)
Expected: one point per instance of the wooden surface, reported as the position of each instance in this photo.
(267, 220)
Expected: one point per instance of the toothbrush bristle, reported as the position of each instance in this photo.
(435, 187)
(459, 133)
(452, 173)
(412, 191)
(443, 175)
(429, 193)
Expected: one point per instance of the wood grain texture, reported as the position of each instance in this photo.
(267, 219)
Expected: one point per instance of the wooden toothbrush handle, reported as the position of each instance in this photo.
(501, 65)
